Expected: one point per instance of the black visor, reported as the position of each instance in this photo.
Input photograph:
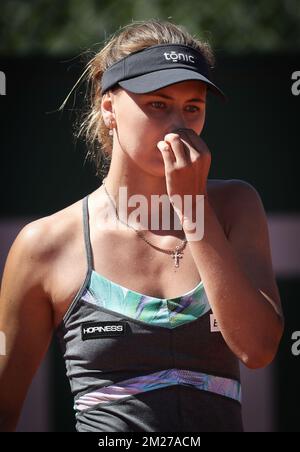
(158, 66)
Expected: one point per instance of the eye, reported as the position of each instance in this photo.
(157, 102)
(194, 106)
(157, 105)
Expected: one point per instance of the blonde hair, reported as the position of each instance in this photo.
(130, 38)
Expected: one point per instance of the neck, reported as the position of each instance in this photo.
(133, 196)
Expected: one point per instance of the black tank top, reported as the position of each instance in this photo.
(141, 363)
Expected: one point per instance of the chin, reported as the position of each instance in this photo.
(159, 173)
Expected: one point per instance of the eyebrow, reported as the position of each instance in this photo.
(168, 97)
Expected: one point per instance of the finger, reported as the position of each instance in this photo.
(168, 156)
(193, 140)
(180, 152)
(188, 149)
(198, 142)
(190, 153)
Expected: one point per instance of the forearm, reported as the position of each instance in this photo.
(249, 323)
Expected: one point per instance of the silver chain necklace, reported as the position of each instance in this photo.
(176, 253)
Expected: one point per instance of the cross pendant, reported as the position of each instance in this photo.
(176, 256)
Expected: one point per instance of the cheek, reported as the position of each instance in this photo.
(138, 127)
(132, 121)
(135, 135)
(200, 125)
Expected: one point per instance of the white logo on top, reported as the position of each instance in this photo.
(102, 329)
(214, 327)
(175, 57)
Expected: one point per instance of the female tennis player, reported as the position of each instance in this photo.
(154, 305)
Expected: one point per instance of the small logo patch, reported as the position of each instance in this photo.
(95, 330)
(213, 324)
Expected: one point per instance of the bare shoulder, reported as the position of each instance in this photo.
(230, 197)
(37, 247)
(44, 238)
(230, 187)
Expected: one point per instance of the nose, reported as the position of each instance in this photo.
(177, 122)
(178, 129)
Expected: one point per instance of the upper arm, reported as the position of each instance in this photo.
(25, 319)
(249, 238)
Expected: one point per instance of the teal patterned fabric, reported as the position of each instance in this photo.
(157, 380)
(165, 312)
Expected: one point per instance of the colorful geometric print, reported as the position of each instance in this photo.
(170, 377)
(168, 313)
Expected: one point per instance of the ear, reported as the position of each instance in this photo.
(107, 107)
